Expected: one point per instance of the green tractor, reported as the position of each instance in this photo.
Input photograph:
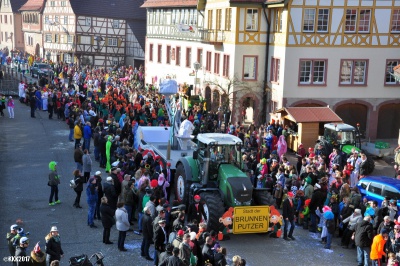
(214, 172)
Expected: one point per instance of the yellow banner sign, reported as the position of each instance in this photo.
(251, 219)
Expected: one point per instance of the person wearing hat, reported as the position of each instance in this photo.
(53, 182)
(53, 245)
(10, 238)
(100, 194)
(160, 239)
(147, 230)
(163, 260)
(109, 192)
(378, 247)
(178, 239)
(20, 251)
(288, 213)
(38, 257)
(363, 234)
(352, 220)
(91, 198)
(317, 201)
(196, 210)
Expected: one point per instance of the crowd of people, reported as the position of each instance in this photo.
(103, 108)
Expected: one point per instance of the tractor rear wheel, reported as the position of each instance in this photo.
(182, 186)
(214, 209)
(263, 197)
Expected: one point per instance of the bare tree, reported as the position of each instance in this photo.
(232, 85)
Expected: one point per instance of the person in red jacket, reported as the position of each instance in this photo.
(378, 246)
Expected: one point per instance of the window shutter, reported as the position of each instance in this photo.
(78, 39)
(106, 41)
(119, 42)
(92, 40)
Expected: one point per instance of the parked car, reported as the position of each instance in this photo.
(379, 187)
(40, 69)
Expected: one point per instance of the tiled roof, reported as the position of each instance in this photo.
(170, 3)
(118, 9)
(257, 1)
(33, 5)
(16, 4)
(311, 114)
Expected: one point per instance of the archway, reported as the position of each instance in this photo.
(37, 50)
(389, 121)
(353, 113)
(215, 100)
(208, 98)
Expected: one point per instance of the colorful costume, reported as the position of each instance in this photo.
(108, 153)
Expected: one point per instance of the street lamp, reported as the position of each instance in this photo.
(196, 66)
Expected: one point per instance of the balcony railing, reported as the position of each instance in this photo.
(213, 36)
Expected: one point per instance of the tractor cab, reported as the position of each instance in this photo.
(339, 135)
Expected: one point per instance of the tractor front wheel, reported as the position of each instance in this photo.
(214, 209)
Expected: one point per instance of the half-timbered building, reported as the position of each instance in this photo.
(226, 37)
(340, 54)
(98, 32)
(32, 24)
(10, 25)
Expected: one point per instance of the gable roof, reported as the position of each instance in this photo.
(170, 3)
(33, 5)
(310, 114)
(16, 4)
(118, 9)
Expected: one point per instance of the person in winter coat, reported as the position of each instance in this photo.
(38, 257)
(78, 178)
(10, 238)
(352, 220)
(288, 216)
(20, 251)
(166, 254)
(10, 107)
(87, 135)
(100, 194)
(86, 164)
(109, 192)
(378, 247)
(53, 245)
(159, 239)
(54, 180)
(317, 200)
(196, 210)
(147, 231)
(107, 219)
(77, 134)
(308, 188)
(122, 224)
(184, 250)
(220, 257)
(363, 233)
(174, 260)
(130, 198)
(207, 253)
(91, 198)
(108, 154)
(329, 218)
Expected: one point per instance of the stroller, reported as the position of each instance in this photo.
(84, 260)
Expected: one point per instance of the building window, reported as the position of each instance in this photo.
(178, 56)
(46, 20)
(390, 65)
(115, 61)
(395, 25)
(250, 67)
(278, 20)
(168, 54)
(193, 17)
(115, 23)
(10, 19)
(159, 53)
(188, 57)
(353, 72)
(252, 19)
(216, 63)
(208, 61)
(52, 3)
(47, 38)
(225, 68)
(56, 38)
(310, 18)
(56, 19)
(275, 69)
(363, 21)
(312, 72)
(70, 39)
(112, 41)
(65, 20)
(210, 20)
(228, 19)
(200, 57)
(67, 58)
(151, 52)
(88, 21)
(62, 3)
(219, 19)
